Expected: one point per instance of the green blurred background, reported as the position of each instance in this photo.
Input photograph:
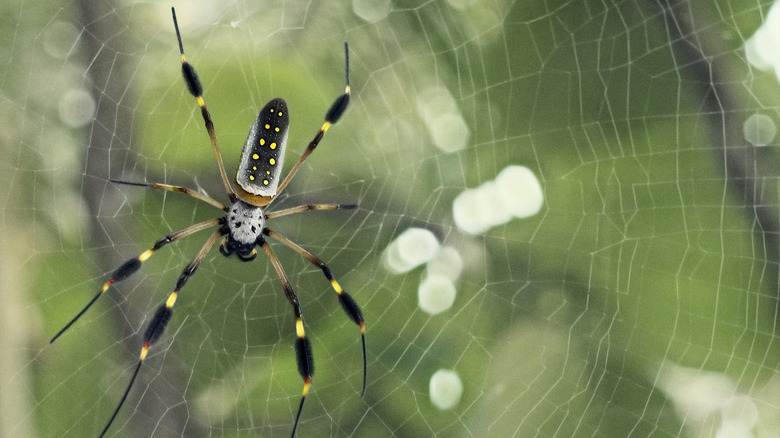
(641, 301)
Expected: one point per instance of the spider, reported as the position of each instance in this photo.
(243, 226)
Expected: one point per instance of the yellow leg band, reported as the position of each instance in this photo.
(171, 299)
(145, 255)
(144, 351)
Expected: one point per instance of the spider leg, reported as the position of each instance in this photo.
(129, 267)
(161, 318)
(303, 352)
(332, 116)
(309, 207)
(347, 302)
(196, 89)
(171, 188)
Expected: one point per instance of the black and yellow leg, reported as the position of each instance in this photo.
(180, 189)
(347, 302)
(332, 116)
(161, 317)
(196, 89)
(305, 360)
(303, 352)
(131, 266)
(309, 207)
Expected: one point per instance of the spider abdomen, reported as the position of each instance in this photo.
(263, 154)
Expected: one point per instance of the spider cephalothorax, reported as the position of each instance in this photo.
(244, 225)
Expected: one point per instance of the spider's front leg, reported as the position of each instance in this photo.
(162, 316)
(303, 353)
(129, 267)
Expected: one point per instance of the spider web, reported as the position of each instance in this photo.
(640, 299)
